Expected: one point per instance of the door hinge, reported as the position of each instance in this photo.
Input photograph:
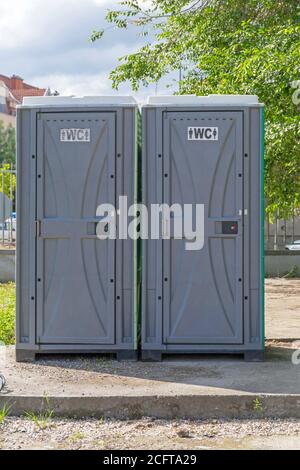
(37, 228)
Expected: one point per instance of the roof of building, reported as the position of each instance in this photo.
(6, 93)
(19, 88)
(20, 94)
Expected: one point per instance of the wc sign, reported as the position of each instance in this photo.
(203, 133)
(75, 135)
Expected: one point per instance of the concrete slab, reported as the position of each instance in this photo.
(187, 387)
(190, 387)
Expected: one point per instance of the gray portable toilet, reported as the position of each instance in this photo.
(209, 151)
(75, 292)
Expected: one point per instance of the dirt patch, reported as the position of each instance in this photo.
(281, 287)
(4, 246)
(282, 308)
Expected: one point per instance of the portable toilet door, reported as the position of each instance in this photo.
(75, 291)
(205, 151)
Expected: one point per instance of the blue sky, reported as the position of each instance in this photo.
(46, 42)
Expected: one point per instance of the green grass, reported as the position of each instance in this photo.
(7, 312)
(43, 418)
(4, 412)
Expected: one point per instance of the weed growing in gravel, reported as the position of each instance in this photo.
(77, 436)
(292, 273)
(41, 419)
(257, 406)
(4, 412)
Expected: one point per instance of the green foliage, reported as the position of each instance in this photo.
(7, 313)
(4, 412)
(9, 180)
(42, 418)
(77, 436)
(228, 46)
(292, 274)
(7, 158)
(257, 406)
(96, 35)
(7, 144)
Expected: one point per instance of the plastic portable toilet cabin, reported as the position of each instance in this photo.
(75, 292)
(206, 151)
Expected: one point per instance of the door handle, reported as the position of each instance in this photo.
(93, 224)
(227, 227)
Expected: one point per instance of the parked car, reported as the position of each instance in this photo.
(294, 246)
(8, 230)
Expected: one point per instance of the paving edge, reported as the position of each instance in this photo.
(164, 407)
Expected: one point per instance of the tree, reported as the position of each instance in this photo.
(8, 180)
(227, 46)
(7, 158)
(7, 144)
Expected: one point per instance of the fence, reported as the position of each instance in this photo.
(277, 234)
(282, 232)
(7, 205)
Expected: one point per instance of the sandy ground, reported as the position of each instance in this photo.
(23, 433)
(7, 246)
(282, 308)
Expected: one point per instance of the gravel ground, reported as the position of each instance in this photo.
(24, 433)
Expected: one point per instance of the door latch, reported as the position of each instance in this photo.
(241, 212)
(37, 228)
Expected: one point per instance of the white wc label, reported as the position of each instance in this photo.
(75, 135)
(203, 133)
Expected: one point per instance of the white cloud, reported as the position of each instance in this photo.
(102, 2)
(37, 23)
(46, 42)
(94, 84)
(12, 22)
(77, 84)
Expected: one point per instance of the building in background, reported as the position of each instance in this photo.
(12, 91)
(7, 105)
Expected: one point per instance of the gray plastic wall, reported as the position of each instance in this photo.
(154, 257)
(28, 161)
